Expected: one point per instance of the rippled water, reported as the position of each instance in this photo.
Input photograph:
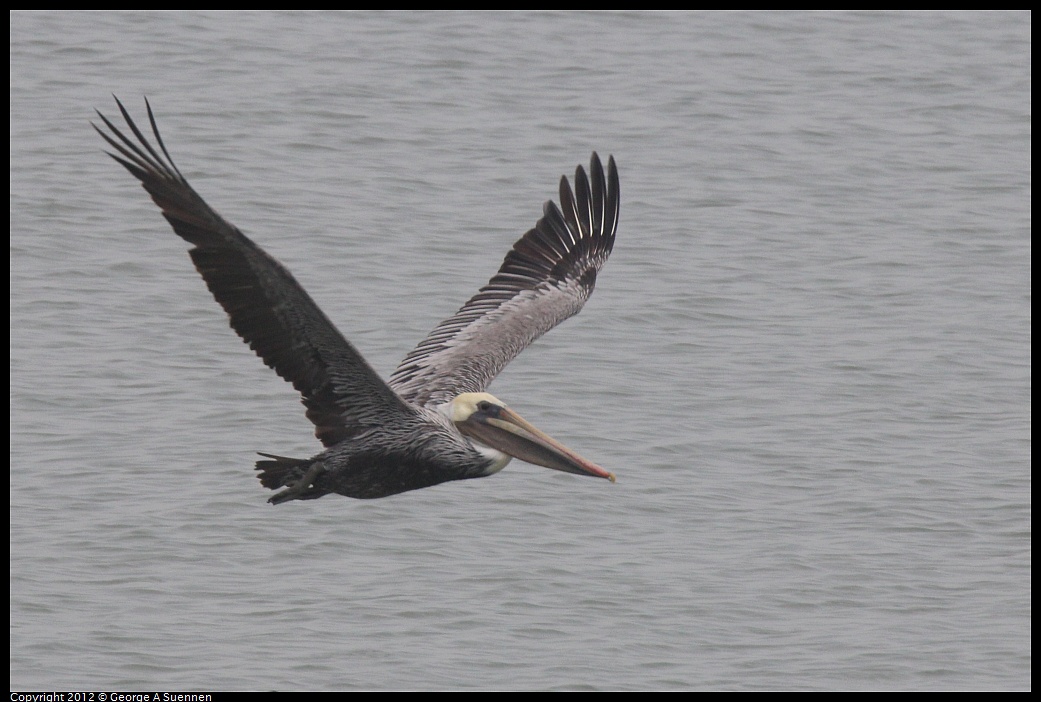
(808, 360)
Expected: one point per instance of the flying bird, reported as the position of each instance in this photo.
(432, 422)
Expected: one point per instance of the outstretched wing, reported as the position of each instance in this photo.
(266, 306)
(546, 278)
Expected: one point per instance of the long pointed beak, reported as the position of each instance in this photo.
(505, 430)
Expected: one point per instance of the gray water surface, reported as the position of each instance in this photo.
(808, 360)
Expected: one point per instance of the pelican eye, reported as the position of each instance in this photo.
(485, 406)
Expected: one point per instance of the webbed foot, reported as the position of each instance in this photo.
(301, 487)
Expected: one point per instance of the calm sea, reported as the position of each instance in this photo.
(808, 360)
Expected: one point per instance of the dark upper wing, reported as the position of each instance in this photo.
(546, 278)
(267, 307)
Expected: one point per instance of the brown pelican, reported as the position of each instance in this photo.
(432, 422)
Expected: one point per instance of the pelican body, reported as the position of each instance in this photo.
(432, 422)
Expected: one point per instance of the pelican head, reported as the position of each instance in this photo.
(486, 419)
